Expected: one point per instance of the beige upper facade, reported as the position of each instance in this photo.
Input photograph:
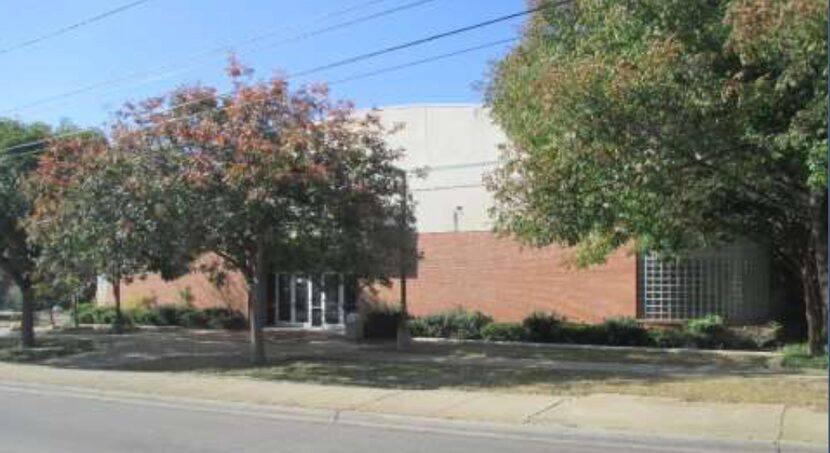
(457, 144)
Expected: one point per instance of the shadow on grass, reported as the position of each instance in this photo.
(650, 357)
(332, 361)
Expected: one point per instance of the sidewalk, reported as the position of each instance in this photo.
(657, 416)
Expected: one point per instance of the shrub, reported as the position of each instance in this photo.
(544, 327)
(146, 316)
(708, 325)
(381, 321)
(623, 331)
(579, 333)
(135, 302)
(192, 318)
(709, 332)
(457, 323)
(225, 318)
(796, 356)
(92, 314)
(669, 338)
(767, 336)
(503, 331)
(168, 315)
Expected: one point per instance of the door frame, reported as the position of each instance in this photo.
(307, 324)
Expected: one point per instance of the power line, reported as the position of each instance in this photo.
(335, 64)
(69, 28)
(391, 49)
(348, 79)
(167, 70)
(421, 61)
(414, 43)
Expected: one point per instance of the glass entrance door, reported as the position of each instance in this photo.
(309, 300)
(316, 307)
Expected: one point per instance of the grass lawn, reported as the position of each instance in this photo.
(654, 357)
(45, 348)
(795, 356)
(727, 378)
(803, 391)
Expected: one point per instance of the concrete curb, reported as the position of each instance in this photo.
(568, 346)
(556, 435)
(620, 413)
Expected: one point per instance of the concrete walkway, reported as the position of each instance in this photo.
(657, 416)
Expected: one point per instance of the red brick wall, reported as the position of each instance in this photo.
(478, 270)
(204, 293)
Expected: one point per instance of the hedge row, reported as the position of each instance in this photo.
(705, 333)
(165, 315)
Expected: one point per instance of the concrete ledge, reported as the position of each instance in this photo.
(570, 346)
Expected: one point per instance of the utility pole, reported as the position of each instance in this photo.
(403, 328)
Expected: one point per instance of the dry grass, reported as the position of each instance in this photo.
(792, 390)
(642, 356)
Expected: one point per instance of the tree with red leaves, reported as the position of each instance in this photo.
(272, 179)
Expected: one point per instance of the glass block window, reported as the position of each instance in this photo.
(731, 281)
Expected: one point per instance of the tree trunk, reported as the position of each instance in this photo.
(818, 237)
(256, 307)
(814, 275)
(118, 327)
(27, 316)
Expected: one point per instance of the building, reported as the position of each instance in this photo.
(464, 264)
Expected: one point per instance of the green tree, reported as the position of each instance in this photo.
(17, 159)
(673, 124)
(111, 209)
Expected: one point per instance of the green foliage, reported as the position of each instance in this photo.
(381, 321)
(503, 331)
(708, 325)
(797, 356)
(225, 318)
(457, 323)
(192, 318)
(710, 332)
(766, 336)
(89, 313)
(166, 315)
(146, 317)
(670, 338)
(624, 331)
(669, 125)
(542, 327)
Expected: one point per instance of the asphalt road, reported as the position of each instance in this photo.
(51, 419)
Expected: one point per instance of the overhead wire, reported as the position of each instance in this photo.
(339, 63)
(170, 70)
(69, 28)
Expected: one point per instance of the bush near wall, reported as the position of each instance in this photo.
(165, 315)
(541, 327)
(458, 323)
(380, 321)
(503, 331)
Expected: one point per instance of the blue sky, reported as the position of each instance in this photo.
(170, 32)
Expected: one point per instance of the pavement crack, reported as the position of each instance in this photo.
(780, 429)
(375, 400)
(550, 406)
(336, 417)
